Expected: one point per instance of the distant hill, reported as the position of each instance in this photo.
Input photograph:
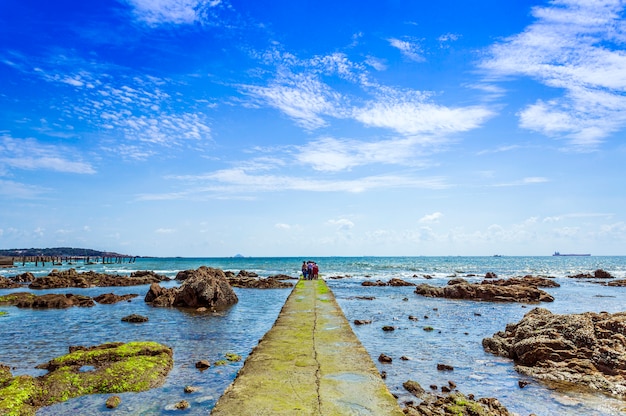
(59, 252)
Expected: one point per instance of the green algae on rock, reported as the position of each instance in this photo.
(107, 368)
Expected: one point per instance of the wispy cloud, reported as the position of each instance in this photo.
(30, 154)
(409, 48)
(430, 218)
(524, 181)
(16, 190)
(159, 12)
(576, 46)
(342, 224)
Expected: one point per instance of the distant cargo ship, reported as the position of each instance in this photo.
(556, 253)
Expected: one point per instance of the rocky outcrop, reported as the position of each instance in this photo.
(117, 368)
(6, 283)
(71, 278)
(392, 282)
(48, 301)
(205, 287)
(456, 404)
(258, 283)
(587, 349)
(621, 282)
(598, 274)
(26, 277)
(111, 298)
(528, 280)
(486, 291)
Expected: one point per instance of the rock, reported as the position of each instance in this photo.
(414, 388)
(383, 358)
(452, 384)
(404, 358)
(113, 401)
(491, 275)
(388, 328)
(413, 318)
(523, 383)
(258, 283)
(181, 405)
(71, 278)
(528, 280)
(282, 277)
(149, 275)
(206, 287)
(117, 368)
(134, 318)
(203, 364)
(244, 273)
(6, 283)
(601, 274)
(111, 298)
(445, 389)
(399, 282)
(191, 389)
(456, 404)
(587, 349)
(26, 277)
(621, 282)
(48, 301)
(444, 367)
(461, 289)
(362, 321)
(376, 283)
(184, 274)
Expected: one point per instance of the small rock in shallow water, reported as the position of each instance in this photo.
(444, 367)
(113, 401)
(183, 404)
(191, 389)
(203, 364)
(384, 358)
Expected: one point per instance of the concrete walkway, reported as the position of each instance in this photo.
(309, 363)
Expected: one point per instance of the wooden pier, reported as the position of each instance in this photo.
(309, 363)
(64, 260)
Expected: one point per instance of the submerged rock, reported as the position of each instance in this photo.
(111, 298)
(114, 368)
(71, 278)
(587, 349)
(48, 301)
(461, 289)
(456, 404)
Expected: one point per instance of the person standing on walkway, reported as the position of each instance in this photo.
(304, 270)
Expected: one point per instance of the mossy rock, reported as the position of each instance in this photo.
(110, 368)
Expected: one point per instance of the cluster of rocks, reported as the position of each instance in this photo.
(392, 282)
(114, 368)
(71, 278)
(587, 349)
(205, 287)
(246, 279)
(598, 274)
(510, 290)
(59, 301)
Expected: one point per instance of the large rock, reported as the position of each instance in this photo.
(47, 301)
(6, 283)
(206, 287)
(456, 404)
(117, 368)
(461, 289)
(258, 283)
(71, 278)
(587, 349)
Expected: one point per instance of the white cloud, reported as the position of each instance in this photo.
(11, 189)
(157, 12)
(417, 116)
(410, 50)
(30, 154)
(342, 224)
(429, 218)
(576, 46)
(282, 226)
(165, 231)
(524, 181)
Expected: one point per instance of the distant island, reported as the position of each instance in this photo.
(58, 252)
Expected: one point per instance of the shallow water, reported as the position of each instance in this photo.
(31, 337)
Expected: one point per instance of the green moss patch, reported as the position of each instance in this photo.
(113, 368)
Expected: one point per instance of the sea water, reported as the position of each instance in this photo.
(30, 337)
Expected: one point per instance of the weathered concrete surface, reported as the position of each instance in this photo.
(309, 363)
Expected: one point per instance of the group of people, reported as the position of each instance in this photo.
(310, 270)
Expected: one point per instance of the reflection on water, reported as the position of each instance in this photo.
(30, 337)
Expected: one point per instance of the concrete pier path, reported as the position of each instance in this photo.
(309, 363)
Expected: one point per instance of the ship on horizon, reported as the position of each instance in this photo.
(556, 253)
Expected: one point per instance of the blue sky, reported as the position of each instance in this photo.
(301, 128)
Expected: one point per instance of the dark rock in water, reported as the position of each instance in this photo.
(598, 274)
(111, 298)
(113, 401)
(134, 318)
(523, 383)
(414, 388)
(203, 364)
(48, 301)
(282, 277)
(71, 278)
(399, 282)
(114, 368)
(528, 280)
(184, 274)
(444, 367)
(258, 283)
(206, 287)
(383, 358)
(6, 283)
(445, 389)
(362, 321)
(244, 273)
(26, 277)
(413, 318)
(461, 289)
(149, 275)
(191, 389)
(181, 405)
(388, 328)
(491, 275)
(587, 349)
(456, 404)
(376, 283)
(621, 283)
